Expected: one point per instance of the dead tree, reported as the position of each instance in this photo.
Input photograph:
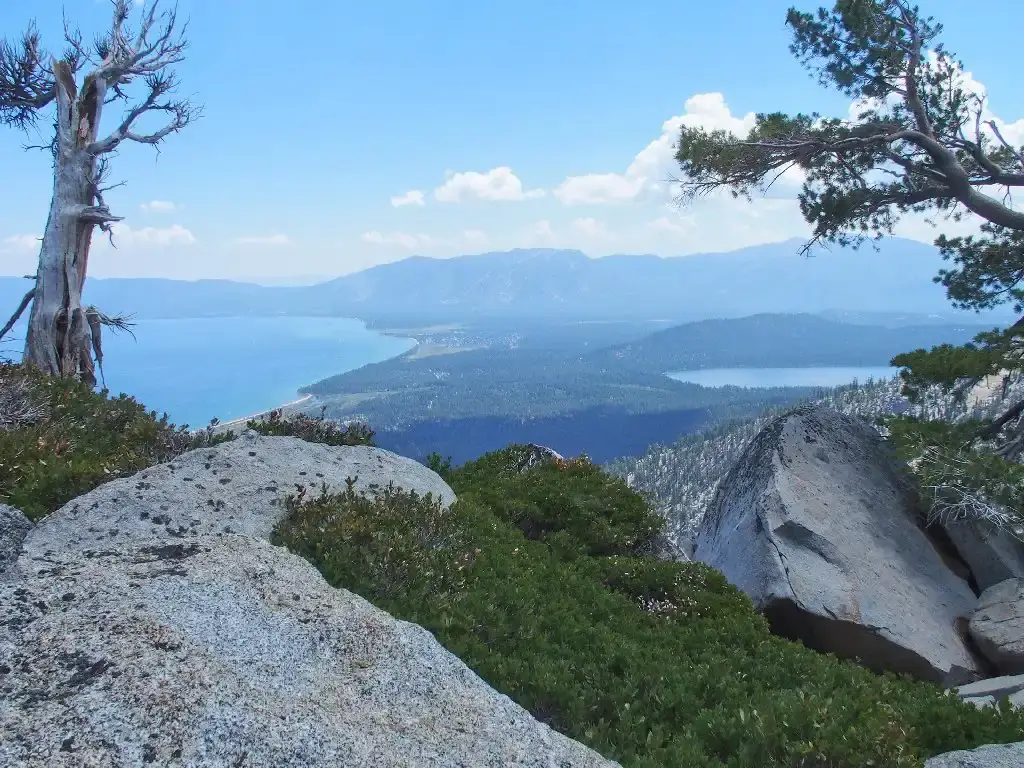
(64, 337)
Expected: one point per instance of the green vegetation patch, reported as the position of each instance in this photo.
(312, 429)
(533, 578)
(59, 439)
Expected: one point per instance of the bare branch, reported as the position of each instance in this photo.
(126, 59)
(18, 312)
(1009, 147)
(149, 55)
(182, 113)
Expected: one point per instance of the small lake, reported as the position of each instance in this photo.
(784, 377)
(196, 369)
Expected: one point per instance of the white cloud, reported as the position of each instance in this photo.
(158, 206)
(399, 239)
(655, 163)
(150, 237)
(597, 188)
(21, 243)
(496, 184)
(412, 197)
(276, 239)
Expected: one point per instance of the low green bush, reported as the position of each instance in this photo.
(312, 429)
(533, 579)
(60, 439)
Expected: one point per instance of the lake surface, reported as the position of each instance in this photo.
(783, 377)
(229, 367)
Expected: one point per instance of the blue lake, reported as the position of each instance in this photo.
(199, 368)
(784, 377)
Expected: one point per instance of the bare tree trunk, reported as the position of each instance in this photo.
(59, 339)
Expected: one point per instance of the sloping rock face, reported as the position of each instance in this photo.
(236, 487)
(984, 693)
(989, 756)
(225, 650)
(816, 524)
(998, 626)
(14, 526)
(992, 554)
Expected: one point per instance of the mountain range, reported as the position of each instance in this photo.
(776, 340)
(529, 283)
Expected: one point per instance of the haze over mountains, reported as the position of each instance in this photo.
(896, 279)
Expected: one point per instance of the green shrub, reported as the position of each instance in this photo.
(570, 504)
(312, 429)
(59, 439)
(532, 579)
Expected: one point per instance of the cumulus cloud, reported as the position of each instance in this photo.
(412, 197)
(158, 206)
(497, 184)
(655, 162)
(150, 237)
(259, 240)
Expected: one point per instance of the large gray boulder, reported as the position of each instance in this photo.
(993, 554)
(14, 526)
(227, 651)
(997, 626)
(817, 524)
(989, 756)
(234, 487)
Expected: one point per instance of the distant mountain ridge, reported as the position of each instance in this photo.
(772, 340)
(563, 284)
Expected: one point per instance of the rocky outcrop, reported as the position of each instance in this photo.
(14, 526)
(235, 487)
(225, 650)
(150, 622)
(989, 756)
(536, 454)
(998, 626)
(984, 693)
(664, 548)
(817, 524)
(993, 554)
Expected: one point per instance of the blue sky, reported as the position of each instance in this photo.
(515, 124)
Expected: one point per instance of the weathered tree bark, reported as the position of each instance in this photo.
(59, 340)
